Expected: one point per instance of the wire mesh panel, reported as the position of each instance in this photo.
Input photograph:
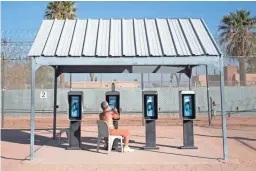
(16, 92)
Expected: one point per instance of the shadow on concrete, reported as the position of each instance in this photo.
(21, 137)
(8, 158)
(239, 139)
(219, 128)
(88, 143)
(185, 155)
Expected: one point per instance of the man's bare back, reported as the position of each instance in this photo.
(108, 117)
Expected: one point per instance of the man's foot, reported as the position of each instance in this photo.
(128, 149)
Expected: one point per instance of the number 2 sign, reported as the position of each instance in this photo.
(43, 94)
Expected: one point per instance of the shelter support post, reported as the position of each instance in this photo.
(32, 114)
(56, 74)
(207, 86)
(223, 111)
(142, 87)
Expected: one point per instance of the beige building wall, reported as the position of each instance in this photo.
(231, 77)
(106, 84)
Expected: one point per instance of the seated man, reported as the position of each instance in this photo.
(108, 116)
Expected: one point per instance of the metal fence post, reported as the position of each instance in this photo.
(2, 91)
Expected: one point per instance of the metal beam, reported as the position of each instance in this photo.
(223, 111)
(129, 61)
(119, 69)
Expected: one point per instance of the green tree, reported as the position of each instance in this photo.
(252, 61)
(61, 10)
(238, 38)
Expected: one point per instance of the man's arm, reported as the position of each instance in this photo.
(115, 114)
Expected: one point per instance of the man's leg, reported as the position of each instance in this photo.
(125, 134)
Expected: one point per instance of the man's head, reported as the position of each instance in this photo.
(104, 105)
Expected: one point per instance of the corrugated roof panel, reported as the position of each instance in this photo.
(204, 37)
(153, 38)
(66, 38)
(140, 38)
(178, 37)
(41, 38)
(165, 37)
(103, 38)
(128, 38)
(90, 40)
(54, 37)
(78, 38)
(191, 37)
(115, 38)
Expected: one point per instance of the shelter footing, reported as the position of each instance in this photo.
(149, 148)
(74, 148)
(188, 147)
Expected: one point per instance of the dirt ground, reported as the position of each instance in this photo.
(241, 145)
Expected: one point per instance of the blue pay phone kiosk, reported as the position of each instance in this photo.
(187, 105)
(150, 113)
(113, 99)
(75, 111)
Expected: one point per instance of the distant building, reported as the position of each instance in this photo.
(231, 77)
(103, 84)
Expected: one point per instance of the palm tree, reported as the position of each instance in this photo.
(61, 10)
(238, 38)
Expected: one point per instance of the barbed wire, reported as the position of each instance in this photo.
(19, 42)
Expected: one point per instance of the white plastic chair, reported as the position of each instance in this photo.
(63, 130)
(103, 131)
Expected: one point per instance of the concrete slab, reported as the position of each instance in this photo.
(168, 140)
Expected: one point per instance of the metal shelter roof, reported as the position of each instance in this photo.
(123, 38)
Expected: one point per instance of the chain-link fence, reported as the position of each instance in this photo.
(16, 72)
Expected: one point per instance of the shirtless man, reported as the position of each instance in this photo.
(108, 115)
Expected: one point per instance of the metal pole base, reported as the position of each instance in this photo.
(188, 135)
(74, 136)
(150, 135)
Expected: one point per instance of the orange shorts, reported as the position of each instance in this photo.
(119, 132)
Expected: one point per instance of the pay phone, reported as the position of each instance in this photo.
(75, 111)
(187, 103)
(150, 113)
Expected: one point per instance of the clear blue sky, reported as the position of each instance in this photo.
(28, 15)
